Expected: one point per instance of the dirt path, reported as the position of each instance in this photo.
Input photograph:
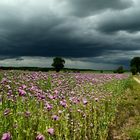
(136, 79)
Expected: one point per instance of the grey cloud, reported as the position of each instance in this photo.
(19, 59)
(128, 21)
(89, 7)
(49, 33)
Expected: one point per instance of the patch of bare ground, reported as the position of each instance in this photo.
(127, 120)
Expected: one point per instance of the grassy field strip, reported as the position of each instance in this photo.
(127, 121)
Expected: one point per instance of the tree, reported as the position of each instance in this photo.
(58, 63)
(135, 65)
(120, 69)
(101, 71)
(134, 70)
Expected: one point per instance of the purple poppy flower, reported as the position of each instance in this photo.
(55, 117)
(56, 91)
(42, 96)
(48, 106)
(40, 137)
(51, 131)
(23, 86)
(63, 103)
(21, 92)
(51, 97)
(6, 136)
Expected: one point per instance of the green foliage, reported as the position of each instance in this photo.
(45, 84)
(101, 71)
(58, 63)
(134, 70)
(135, 133)
(119, 70)
(135, 65)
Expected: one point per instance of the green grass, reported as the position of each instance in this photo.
(127, 120)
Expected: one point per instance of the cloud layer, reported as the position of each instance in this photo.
(104, 33)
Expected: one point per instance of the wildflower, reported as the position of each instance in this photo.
(21, 92)
(79, 111)
(8, 86)
(51, 131)
(6, 111)
(48, 107)
(55, 117)
(96, 99)
(40, 137)
(85, 101)
(42, 96)
(9, 92)
(63, 103)
(56, 91)
(60, 111)
(84, 115)
(4, 80)
(6, 136)
(51, 97)
(27, 114)
(23, 86)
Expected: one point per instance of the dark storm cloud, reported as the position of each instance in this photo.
(88, 7)
(73, 29)
(129, 22)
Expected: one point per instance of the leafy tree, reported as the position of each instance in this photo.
(120, 69)
(58, 63)
(135, 65)
(101, 71)
(134, 70)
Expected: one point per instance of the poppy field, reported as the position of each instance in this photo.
(58, 106)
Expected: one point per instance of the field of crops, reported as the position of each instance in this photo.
(58, 106)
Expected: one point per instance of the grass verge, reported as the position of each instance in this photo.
(127, 119)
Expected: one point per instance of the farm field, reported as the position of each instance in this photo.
(65, 106)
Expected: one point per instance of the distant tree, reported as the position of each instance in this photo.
(58, 63)
(120, 69)
(135, 65)
(101, 71)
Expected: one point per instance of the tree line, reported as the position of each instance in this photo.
(58, 64)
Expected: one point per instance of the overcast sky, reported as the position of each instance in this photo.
(96, 34)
